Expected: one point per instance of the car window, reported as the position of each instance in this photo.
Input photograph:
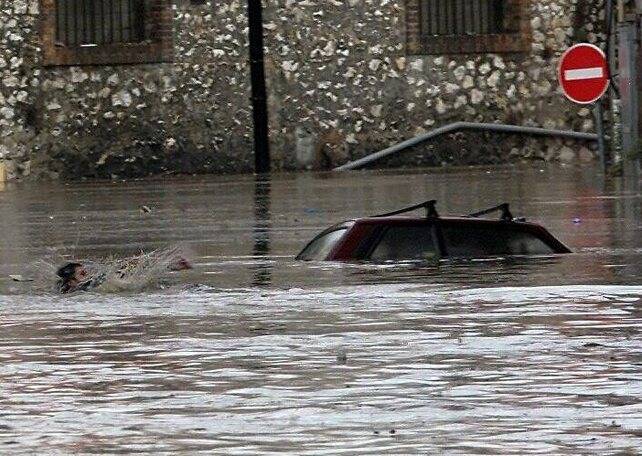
(321, 247)
(405, 243)
(479, 241)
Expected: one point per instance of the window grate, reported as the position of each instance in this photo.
(462, 17)
(98, 22)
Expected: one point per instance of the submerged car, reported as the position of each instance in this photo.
(394, 237)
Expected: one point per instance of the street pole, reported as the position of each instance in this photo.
(259, 92)
(630, 86)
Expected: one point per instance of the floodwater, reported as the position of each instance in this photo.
(253, 353)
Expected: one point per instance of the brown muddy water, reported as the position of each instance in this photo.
(253, 353)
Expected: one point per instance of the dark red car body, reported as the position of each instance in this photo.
(417, 238)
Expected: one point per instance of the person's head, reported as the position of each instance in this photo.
(71, 275)
(179, 264)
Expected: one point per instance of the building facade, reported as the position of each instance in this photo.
(106, 88)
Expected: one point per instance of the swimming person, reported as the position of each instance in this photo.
(73, 277)
(77, 276)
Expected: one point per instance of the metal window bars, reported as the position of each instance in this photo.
(462, 17)
(86, 23)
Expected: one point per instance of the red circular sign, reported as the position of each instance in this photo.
(584, 73)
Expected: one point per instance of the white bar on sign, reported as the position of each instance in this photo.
(584, 73)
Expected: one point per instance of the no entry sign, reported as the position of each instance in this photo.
(584, 73)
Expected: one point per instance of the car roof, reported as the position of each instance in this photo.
(500, 226)
(476, 221)
(463, 220)
(458, 219)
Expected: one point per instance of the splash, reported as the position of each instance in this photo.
(112, 274)
(140, 272)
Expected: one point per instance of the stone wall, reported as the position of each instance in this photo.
(190, 116)
(340, 81)
(19, 84)
(343, 86)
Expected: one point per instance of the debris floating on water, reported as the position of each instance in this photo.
(592, 345)
(19, 278)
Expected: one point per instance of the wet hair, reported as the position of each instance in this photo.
(67, 271)
(179, 264)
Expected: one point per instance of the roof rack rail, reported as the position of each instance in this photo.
(506, 216)
(430, 206)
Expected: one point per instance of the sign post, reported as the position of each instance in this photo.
(584, 77)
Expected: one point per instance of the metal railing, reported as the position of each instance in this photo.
(457, 126)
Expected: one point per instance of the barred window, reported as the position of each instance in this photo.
(468, 26)
(106, 32)
(462, 17)
(99, 22)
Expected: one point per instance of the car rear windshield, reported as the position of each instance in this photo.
(321, 247)
(480, 241)
(405, 243)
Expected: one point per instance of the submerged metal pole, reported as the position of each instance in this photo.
(262, 225)
(259, 92)
(601, 141)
